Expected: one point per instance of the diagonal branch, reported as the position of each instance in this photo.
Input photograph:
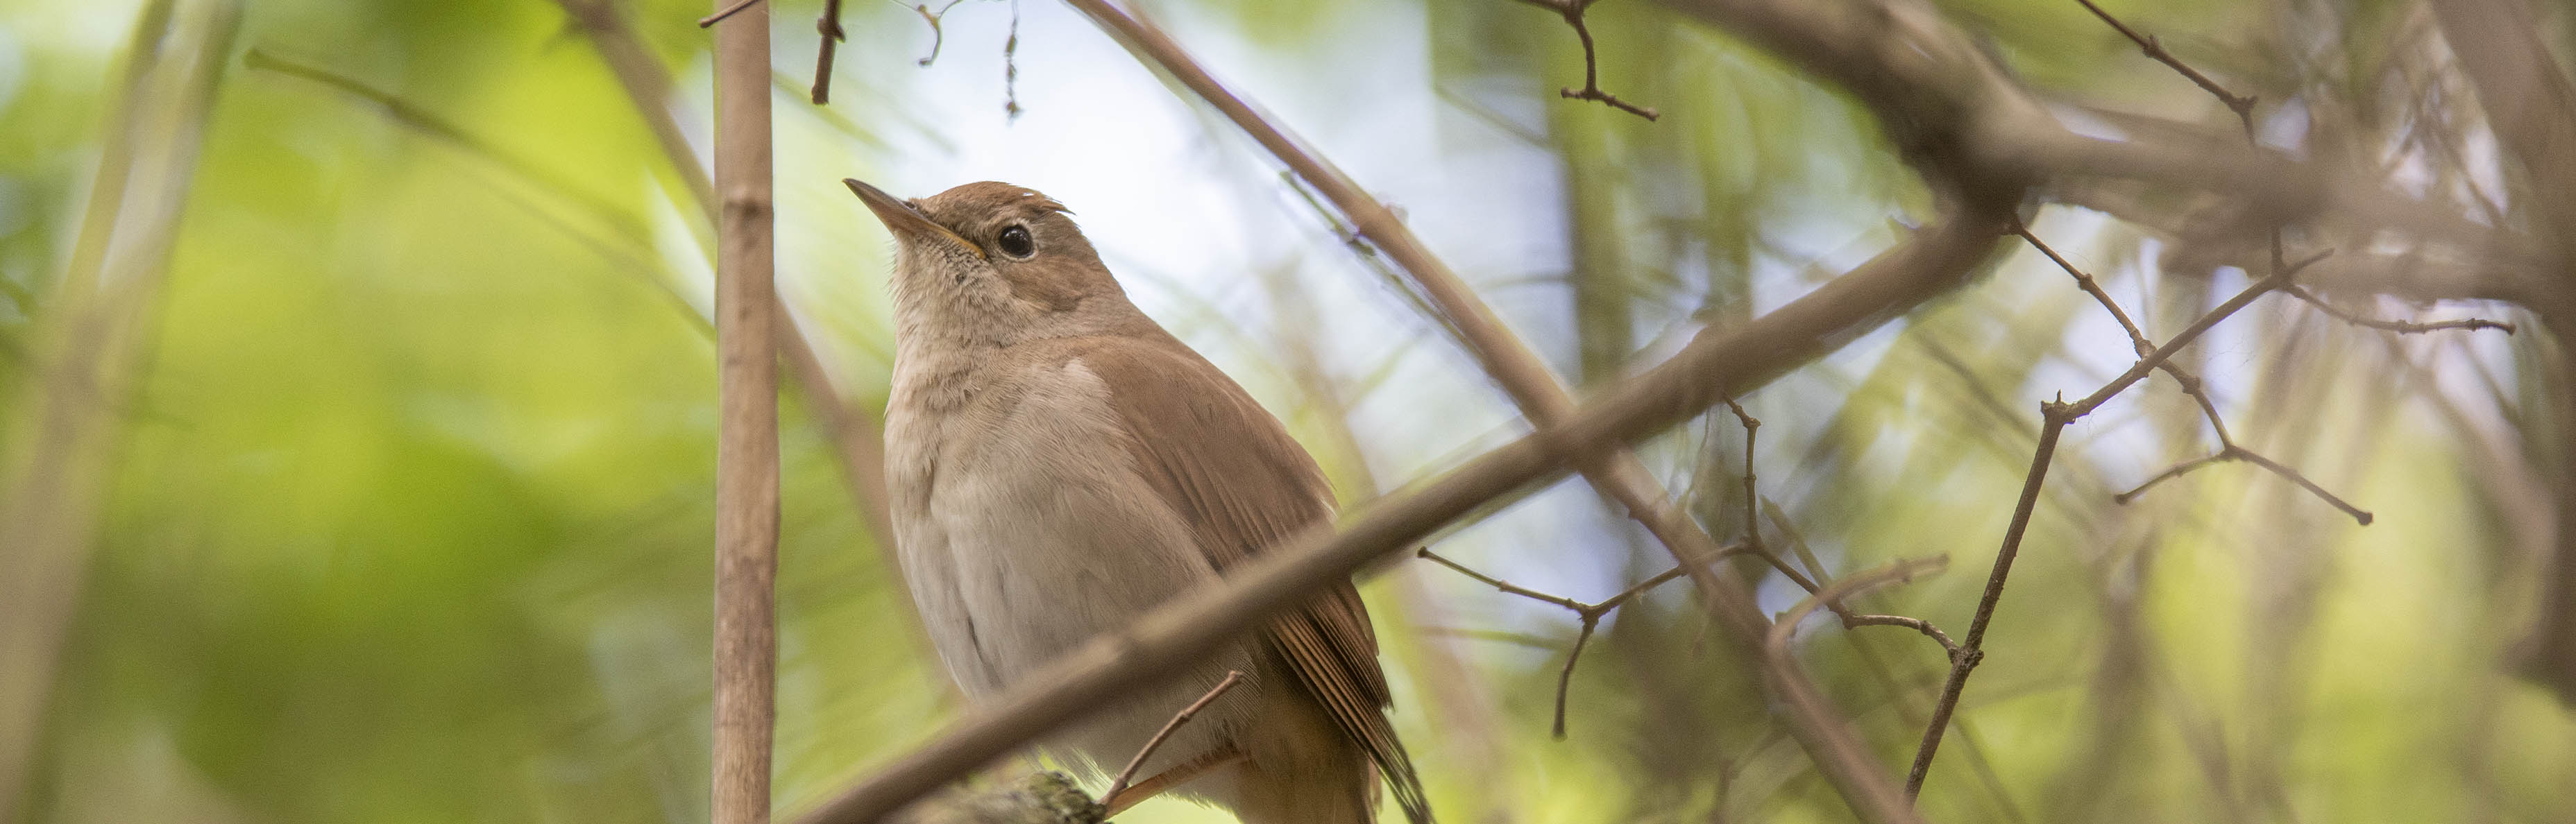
(855, 433)
(1541, 397)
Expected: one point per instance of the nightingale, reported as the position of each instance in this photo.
(1058, 465)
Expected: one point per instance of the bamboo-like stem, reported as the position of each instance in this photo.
(746, 631)
(1537, 391)
(1711, 368)
(96, 332)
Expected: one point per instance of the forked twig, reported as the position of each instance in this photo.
(1589, 614)
(2232, 452)
(1572, 11)
(1120, 784)
(2228, 448)
(1893, 572)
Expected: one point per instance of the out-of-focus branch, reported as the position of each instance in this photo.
(1956, 114)
(855, 434)
(96, 328)
(2527, 97)
(1714, 366)
(2530, 104)
(1539, 394)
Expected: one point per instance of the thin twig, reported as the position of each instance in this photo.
(725, 12)
(1589, 615)
(2054, 416)
(2191, 383)
(1891, 573)
(2242, 105)
(829, 27)
(1917, 624)
(2137, 338)
(2402, 327)
(1119, 784)
(1505, 586)
(2232, 452)
(1572, 11)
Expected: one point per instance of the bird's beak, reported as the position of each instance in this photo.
(907, 225)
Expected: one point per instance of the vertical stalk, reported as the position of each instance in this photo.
(96, 336)
(746, 634)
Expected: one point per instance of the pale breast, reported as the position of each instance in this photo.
(1025, 523)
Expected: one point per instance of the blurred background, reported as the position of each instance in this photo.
(361, 406)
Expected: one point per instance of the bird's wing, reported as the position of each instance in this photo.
(1231, 469)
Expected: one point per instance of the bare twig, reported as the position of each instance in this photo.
(746, 631)
(1589, 615)
(1891, 573)
(2228, 448)
(722, 13)
(2402, 327)
(2242, 105)
(829, 27)
(1948, 646)
(1119, 785)
(1572, 11)
(2233, 452)
(1963, 659)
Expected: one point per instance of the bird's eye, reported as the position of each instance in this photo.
(1015, 241)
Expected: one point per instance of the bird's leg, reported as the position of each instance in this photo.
(1164, 781)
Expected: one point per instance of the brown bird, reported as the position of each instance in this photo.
(1060, 465)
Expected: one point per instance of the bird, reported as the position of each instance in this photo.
(1059, 464)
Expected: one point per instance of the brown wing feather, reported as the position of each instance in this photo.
(1228, 466)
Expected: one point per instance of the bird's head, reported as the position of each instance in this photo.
(994, 261)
